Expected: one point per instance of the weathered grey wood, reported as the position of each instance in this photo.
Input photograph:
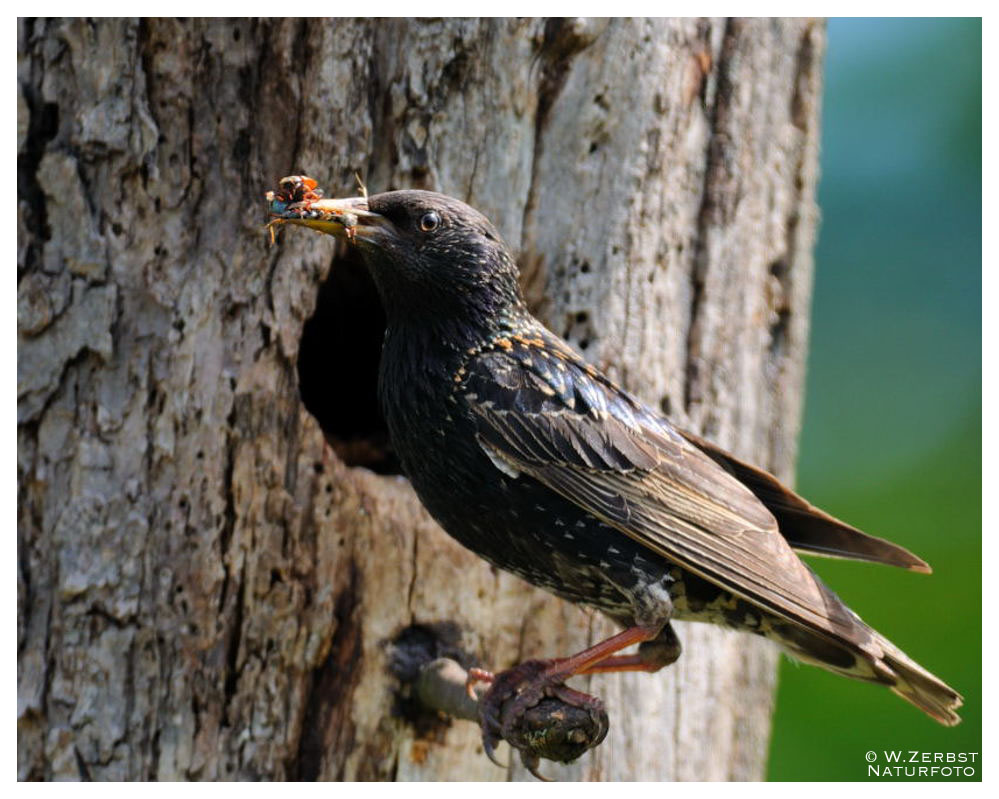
(202, 592)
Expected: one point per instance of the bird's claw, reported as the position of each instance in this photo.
(531, 763)
(489, 742)
(539, 716)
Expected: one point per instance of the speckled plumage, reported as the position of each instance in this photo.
(531, 458)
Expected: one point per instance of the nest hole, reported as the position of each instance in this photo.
(338, 367)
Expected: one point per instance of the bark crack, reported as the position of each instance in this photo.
(231, 685)
(783, 270)
(43, 126)
(327, 726)
(715, 159)
(562, 41)
(412, 582)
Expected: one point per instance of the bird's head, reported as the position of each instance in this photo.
(430, 255)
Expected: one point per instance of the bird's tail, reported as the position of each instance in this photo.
(917, 686)
(871, 657)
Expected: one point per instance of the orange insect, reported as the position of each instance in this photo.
(296, 198)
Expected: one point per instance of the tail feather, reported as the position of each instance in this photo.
(917, 686)
(858, 651)
(872, 658)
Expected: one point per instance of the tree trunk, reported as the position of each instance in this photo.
(205, 591)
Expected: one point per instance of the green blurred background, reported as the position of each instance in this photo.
(892, 429)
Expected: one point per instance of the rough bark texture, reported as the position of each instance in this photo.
(203, 593)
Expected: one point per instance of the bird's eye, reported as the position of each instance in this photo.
(429, 221)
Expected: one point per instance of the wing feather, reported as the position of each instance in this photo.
(603, 450)
(806, 527)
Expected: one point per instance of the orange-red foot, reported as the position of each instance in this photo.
(475, 676)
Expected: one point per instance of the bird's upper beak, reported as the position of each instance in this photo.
(347, 218)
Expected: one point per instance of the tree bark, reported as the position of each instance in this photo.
(204, 592)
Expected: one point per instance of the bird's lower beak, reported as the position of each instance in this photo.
(347, 218)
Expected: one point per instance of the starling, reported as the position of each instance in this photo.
(540, 464)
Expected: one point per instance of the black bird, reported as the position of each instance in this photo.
(540, 464)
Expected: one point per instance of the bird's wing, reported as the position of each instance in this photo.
(543, 412)
(807, 528)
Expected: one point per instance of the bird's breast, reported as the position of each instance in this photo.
(515, 523)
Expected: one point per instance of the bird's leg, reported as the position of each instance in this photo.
(589, 661)
(652, 655)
